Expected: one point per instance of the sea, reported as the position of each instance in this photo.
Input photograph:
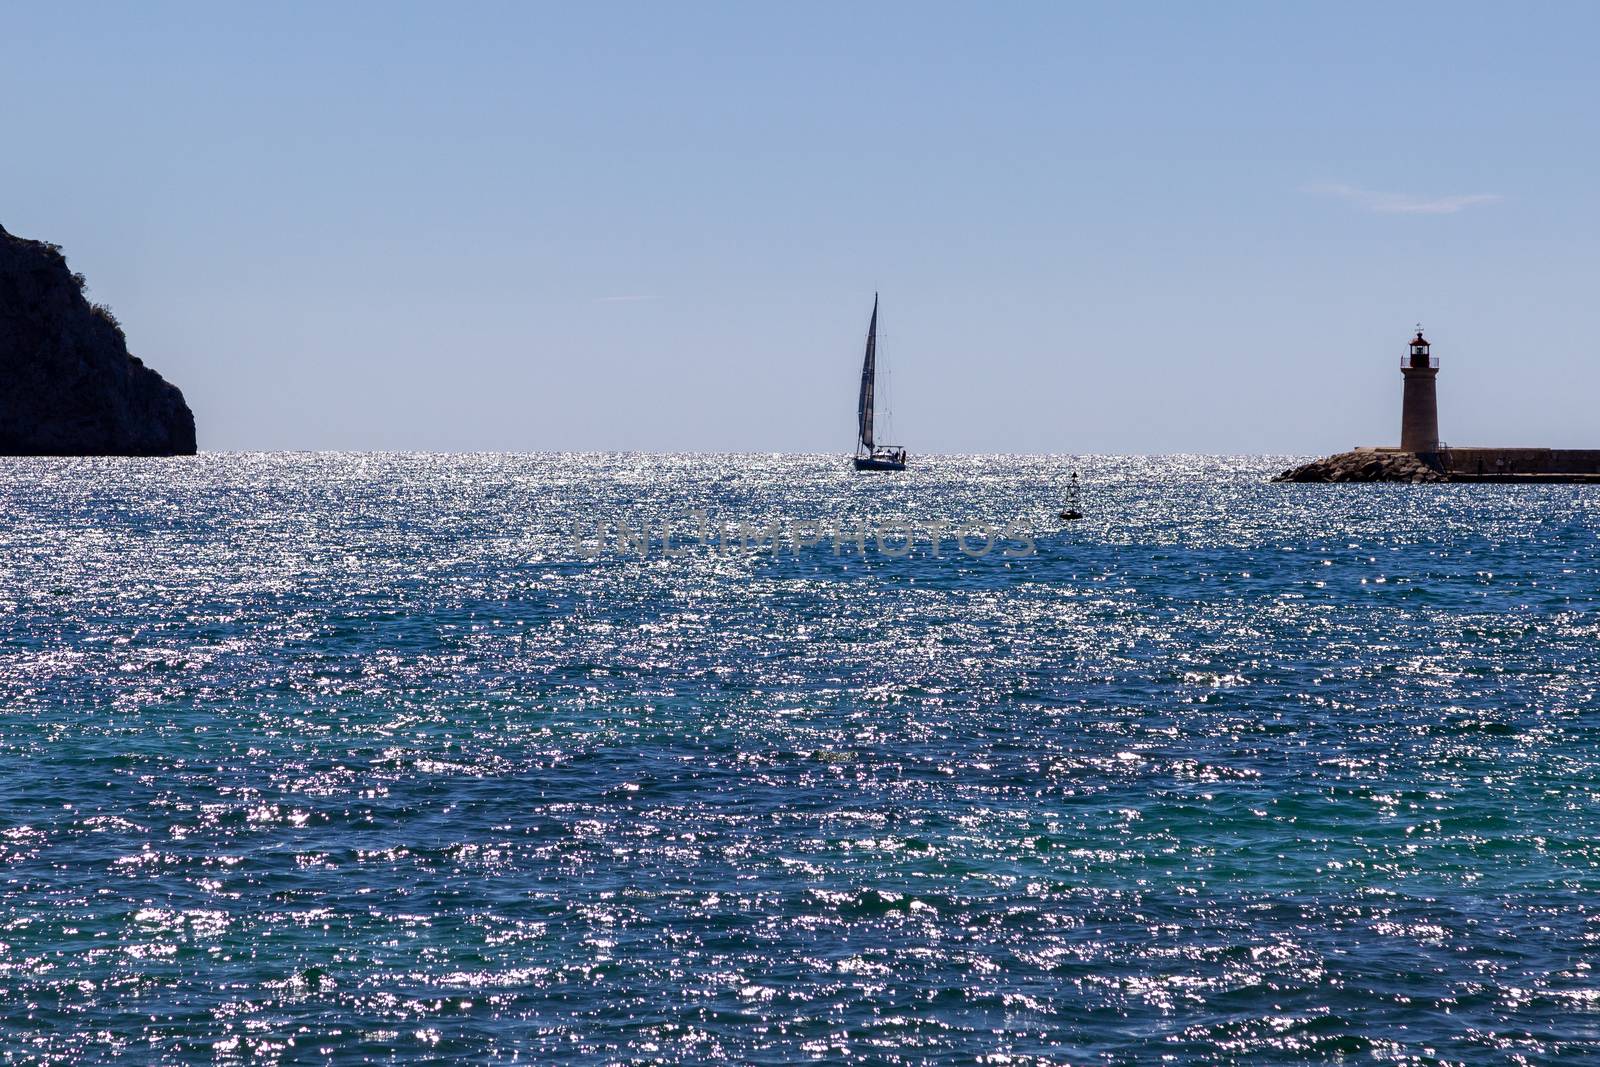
(748, 759)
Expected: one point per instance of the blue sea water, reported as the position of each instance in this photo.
(381, 758)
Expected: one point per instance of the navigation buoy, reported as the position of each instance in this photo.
(1071, 512)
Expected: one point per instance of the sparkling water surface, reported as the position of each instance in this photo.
(358, 758)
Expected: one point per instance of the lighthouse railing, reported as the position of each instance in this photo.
(1433, 361)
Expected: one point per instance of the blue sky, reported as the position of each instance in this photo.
(1096, 228)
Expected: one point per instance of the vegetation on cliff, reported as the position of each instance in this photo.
(68, 386)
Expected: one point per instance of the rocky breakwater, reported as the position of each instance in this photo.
(68, 386)
(1365, 465)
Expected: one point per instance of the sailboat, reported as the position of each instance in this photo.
(871, 456)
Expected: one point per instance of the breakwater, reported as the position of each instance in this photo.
(1502, 465)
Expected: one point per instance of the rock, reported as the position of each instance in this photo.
(68, 386)
(1366, 466)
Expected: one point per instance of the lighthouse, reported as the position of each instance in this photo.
(1419, 410)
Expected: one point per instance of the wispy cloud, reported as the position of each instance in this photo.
(1403, 203)
(623, 299)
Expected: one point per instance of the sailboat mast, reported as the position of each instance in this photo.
(869, 381)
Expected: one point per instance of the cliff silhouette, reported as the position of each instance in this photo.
(68, 386)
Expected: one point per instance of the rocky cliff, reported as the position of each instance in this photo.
(68, 386)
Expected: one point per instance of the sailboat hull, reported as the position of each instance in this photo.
(873, 463)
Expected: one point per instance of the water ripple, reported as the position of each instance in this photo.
(355, 754)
